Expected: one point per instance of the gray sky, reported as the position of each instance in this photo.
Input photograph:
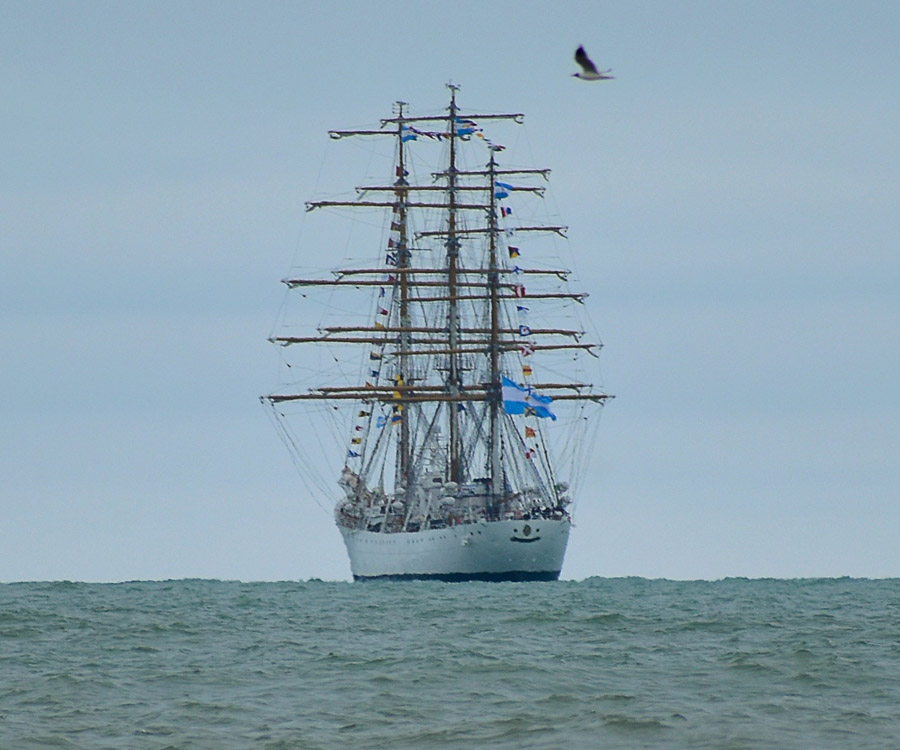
(732, 199)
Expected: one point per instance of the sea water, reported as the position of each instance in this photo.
(600, 663)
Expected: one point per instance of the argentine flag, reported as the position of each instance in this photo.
(502, 190)
(520, 399)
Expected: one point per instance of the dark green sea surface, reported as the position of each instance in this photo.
(601, 663)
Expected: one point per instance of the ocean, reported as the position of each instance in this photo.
(599, 663)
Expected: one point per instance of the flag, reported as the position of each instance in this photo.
(381, 291)
(396, 418)
(521, 309)
(465, 127)
(519, 290)
(352, 454)
(379, 326)
(390, 259)
(380, 421)
(374, 356)
(359, 428)
(460, 407)
(517, 270)
(526, 371)
(364, 414)
(505, 211)
(530, 432)
(356, 441)
(522, 399)
(382, 311)
(395, 226)
(401, 172)
(513, 252)
(502, 190)
(374, 373)
(524, 331)
(530, 453)
(527, 349)
(406, 134)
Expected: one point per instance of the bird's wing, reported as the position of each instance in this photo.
(584, 61)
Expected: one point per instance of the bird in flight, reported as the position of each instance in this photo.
(589, 71)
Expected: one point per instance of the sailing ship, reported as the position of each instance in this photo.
(462, 434)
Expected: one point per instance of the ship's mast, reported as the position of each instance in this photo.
(421, 350)
(494, 398)
(403, 258)
(452, 292)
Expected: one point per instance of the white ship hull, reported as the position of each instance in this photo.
(510, 550)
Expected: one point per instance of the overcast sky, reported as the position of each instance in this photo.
(733, 198)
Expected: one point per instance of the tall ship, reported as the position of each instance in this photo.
(442, 373)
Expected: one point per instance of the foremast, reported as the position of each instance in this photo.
(403, 263)
(452, 244)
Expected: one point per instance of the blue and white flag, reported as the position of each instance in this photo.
(502, 190)
(521, 399)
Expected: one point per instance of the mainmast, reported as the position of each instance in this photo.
(452, 292)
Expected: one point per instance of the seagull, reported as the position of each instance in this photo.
(589, 70)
